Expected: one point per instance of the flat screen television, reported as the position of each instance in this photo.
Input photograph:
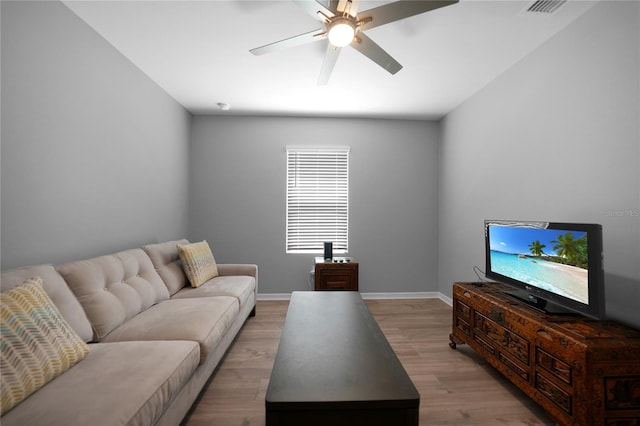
(555, 267)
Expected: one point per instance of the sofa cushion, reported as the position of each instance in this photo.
(57, 290)
(203, 320)
(127, 383)
(239, 286)
(114, 288)
(37, 343)
(166, 260)
(198, 262)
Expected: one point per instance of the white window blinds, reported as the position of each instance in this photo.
(317, 198)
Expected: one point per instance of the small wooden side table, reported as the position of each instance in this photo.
(340, 273)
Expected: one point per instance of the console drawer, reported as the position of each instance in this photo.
(514, 344)
(554, 393)
(554, 365)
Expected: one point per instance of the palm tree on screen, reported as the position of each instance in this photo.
(566, 247)
(536, 248)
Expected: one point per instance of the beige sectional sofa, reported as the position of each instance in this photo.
(154, 341)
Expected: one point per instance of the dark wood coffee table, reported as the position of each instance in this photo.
(335, 367)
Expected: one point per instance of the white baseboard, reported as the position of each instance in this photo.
(273, 296)
(404, 295)
(445, 299)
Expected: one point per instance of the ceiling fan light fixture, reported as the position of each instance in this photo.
(341, 32)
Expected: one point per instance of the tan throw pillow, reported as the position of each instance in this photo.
(198, 262)
(37, 342)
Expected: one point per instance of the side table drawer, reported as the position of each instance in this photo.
(336, 276)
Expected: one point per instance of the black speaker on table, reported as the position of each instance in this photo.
(328, 251)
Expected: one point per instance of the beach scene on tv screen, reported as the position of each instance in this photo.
(550, 259)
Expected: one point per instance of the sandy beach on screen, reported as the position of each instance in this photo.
(576, 287)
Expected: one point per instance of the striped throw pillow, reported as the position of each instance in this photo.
(198, 262)
(37, 342)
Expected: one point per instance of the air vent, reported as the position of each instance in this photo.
(545, 6)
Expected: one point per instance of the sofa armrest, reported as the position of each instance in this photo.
(238, 269)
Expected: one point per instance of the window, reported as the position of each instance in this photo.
(317, 199)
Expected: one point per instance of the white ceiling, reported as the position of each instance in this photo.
(198, 52)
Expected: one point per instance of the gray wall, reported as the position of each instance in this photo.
(94, 154)
(238, 197)
(554, 138)
(95, 158)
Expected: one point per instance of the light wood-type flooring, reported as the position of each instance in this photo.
(456, 387)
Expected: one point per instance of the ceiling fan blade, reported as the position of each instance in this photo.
(287, 43)
(371, 50)
(330, 59)
(398, 10)
(313, 8)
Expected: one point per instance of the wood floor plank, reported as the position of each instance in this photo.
(457, 387)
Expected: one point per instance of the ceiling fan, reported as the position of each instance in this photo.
(343, 26)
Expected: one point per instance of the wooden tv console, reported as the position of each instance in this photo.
(581, 371)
